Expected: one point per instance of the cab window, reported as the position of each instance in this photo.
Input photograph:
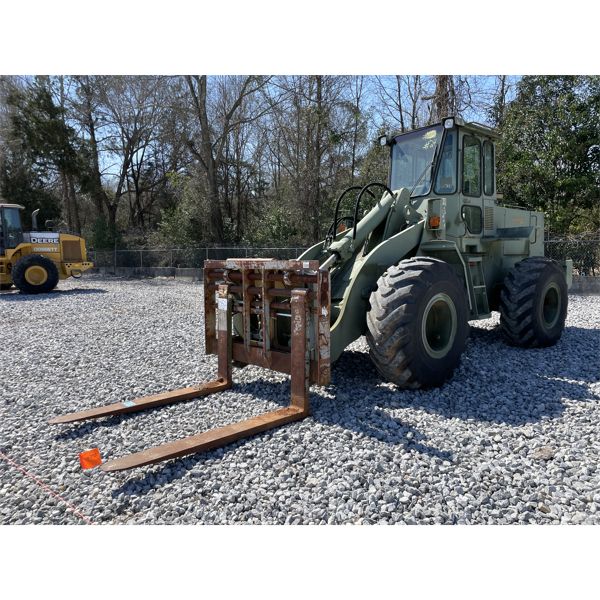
(472, 217)
(412, 154)
(488, 168)
(13, 234)
(445, 182)
(471, 171)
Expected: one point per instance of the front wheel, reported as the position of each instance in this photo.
(418, 323)
(35, 274)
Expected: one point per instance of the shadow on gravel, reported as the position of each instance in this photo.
(370, 421)
(170, 471)
(16, 296)
(495, 383)
(79, 430)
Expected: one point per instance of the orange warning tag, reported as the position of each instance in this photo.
(90, 459)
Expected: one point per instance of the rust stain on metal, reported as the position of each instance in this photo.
(210, 339)
(144, 403)
(300, 362)
(202, 442)
(250, 289)
(260, 291)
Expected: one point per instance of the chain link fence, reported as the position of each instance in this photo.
(183, 258)
(584, 253)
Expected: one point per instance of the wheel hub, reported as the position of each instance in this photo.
(439, 325)
(36, 275)
(550, 306)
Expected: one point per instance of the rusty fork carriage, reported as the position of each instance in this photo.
(265, 312)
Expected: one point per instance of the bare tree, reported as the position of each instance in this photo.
(68, 172)
(400, 101)
(84, 110)
(214, 124)
(230, 157)
(496, 107)
(443, 99)
(357, 118)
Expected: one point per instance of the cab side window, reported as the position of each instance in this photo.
(471, 171)
(13, 234)
(445, 182)
(488, 168)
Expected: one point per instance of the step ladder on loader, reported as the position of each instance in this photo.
(246, 302)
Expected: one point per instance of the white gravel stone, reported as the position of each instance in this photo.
(512, 438)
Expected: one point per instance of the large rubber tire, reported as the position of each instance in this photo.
(418, 323)
(533, 303)
(28, 275)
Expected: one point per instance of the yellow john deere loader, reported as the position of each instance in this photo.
(435, 251)
(35, 261)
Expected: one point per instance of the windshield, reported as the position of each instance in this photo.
(411, 155)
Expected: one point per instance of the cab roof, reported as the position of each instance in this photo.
(475, 127)
(472, 127)
(3, 205)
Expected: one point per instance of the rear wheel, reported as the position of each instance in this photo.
(418, 323)
(533, 303)
(35, 274)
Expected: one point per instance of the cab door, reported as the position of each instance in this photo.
(474, 187)
(471, 190)
(12, 232)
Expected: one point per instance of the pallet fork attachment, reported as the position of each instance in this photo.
(270, 291)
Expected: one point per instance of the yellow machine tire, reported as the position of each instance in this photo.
(35, 274)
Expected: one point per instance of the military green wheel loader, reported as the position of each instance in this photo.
(434, 251)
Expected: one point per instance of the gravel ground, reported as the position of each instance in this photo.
(513, 438)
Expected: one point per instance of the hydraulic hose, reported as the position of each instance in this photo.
(357, 205)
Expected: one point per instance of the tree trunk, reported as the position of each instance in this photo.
(111, 208)
(415, 102)
(206, 156)
(73, 203)
(317, 161)
(443, 103)
(357, 115)
(211, 168)
(66, 199)
(96, 191)
(500, 101)
(399, 101)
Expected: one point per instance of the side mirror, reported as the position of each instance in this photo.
(49, 225)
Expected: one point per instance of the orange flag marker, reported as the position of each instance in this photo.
(90, 458)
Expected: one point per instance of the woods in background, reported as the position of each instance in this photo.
(194, 160)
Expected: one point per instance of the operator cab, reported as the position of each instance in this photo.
(426, 160)
(451, 163)
(11, 230)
